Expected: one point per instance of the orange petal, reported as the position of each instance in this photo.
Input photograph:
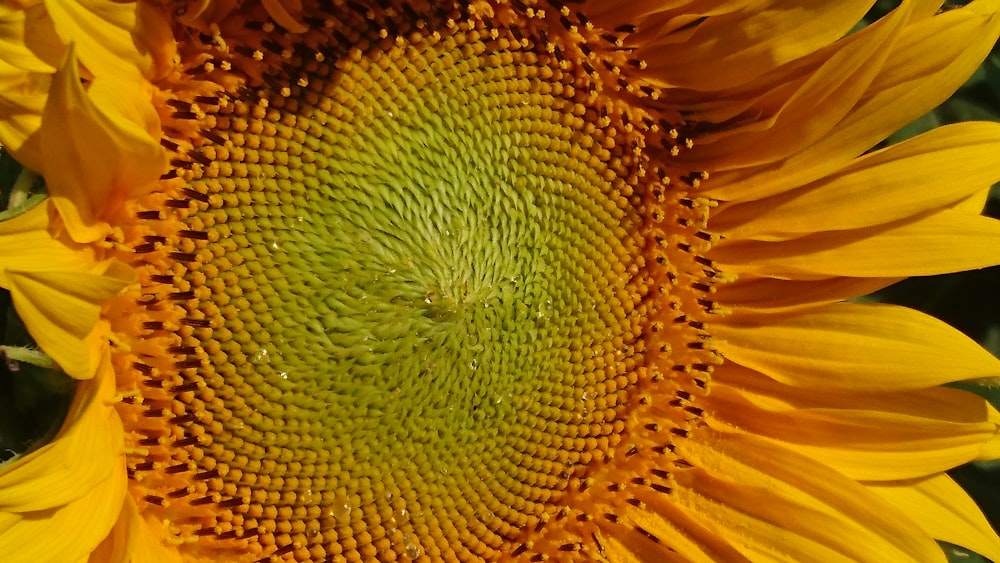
(789, 121)
(768, 295)
(284, 14)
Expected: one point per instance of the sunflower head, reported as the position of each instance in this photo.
(410, 326)
(353, 281)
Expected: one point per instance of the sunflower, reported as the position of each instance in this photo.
(494, 281)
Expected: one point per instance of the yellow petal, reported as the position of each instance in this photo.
(782, 506)
(767, 295)
(106, 156)
(58, 290)
(28, 39)
(29, 51)
(943, 242)
(118, 546)
(8, 520)
(62, 313)
(925, 173)
(153, 543)
(84, 453)
(939, 402)
(975, 203)
(22, 100)
(945, 511)
(102, 34)
(70, 532)
(26, 245)
(836, 85)
(865, 443)
(128, 105)
(928, 62)
(925, 8)
(865, 347)
(743, 45)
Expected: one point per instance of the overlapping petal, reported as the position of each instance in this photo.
(119, 545)
(902, 181)
(25, 74)
(134, 540)
(109, 152)
(783, 119)
(84, 453)
(760, 295)
(948, 47)
(778, 505)
(70, 532)
(949, 241)
(743, 44)
(889, 436)
(63, 311)
(69, 491)
(917, 75)
(28, 39)
(944, 510)
(58, 289)
(859, 346)
(103, 33)
(34, 40)
(30, 50)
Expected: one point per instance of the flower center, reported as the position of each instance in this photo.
(398, 304)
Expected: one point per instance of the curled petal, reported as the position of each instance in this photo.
(83, 454)
(284, 13)
(109, 154)
(58, 290)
